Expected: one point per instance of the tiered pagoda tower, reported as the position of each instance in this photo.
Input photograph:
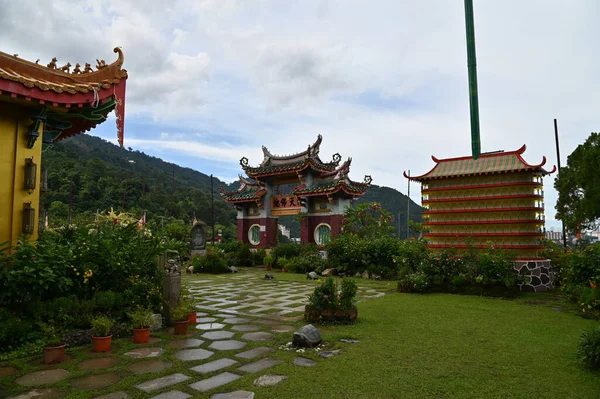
(321, 191)
(497, 199)
(43, 104)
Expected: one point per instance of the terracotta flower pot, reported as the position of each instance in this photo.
(268, 267)
(102, 344)
(141, 335)
(54, 354)
(347, 315)
(192, 318)
(283, 270)
(181, 327)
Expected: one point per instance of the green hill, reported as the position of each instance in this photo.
(87, 173)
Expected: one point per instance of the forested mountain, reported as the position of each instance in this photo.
(87, 173)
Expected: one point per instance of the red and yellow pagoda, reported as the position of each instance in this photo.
(320, 191)
(497, 199)
(43, 104)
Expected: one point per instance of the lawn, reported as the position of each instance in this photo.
(411, 346)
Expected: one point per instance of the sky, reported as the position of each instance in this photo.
(383, 81)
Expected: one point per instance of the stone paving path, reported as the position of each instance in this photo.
(236, 336)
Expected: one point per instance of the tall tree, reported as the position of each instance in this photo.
(578, 186)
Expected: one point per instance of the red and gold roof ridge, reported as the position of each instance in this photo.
(249, 190)
(334, 181)
(53, 77)
(487, 163)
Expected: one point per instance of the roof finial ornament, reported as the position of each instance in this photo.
(66, 68)
(244, 162)
(88, 68)
(100, 64)
(52, 64)
(77, 69)
(337, 157)
(368, 179)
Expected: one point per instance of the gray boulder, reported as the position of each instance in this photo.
(312, 276)
(307, 337)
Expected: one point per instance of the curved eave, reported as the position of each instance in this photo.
(255, 172)
(465, 246)
(484, 198)
(478, 210)
(304, 154)
(475, 235)
(483, 185)
(483, 222)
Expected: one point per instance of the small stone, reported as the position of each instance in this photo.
(185, 343)
(172, 395)
(282, 329)
(236, 320)
(349, 341)
(156, 323)
(307, 337)
(114, 395)
(227, 345)
(304, 362)
(234, 395)
(98, 364)
(269, 379)
(162, 382)
(95, 381)
(214, 365)
(193, 354)
(214, 382)
(252, 353)
(149, 366)
(257, 336)
(212, 335)
(210, 326)
(260, 365)
(43, 377)
(141, 353)
(41, 393)
(328, 354)
(245, 327)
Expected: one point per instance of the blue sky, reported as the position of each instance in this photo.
(384, 81)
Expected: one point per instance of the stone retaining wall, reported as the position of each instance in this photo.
(538, 275)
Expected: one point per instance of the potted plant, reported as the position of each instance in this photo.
(346, 310)
(102, 337)
(268, 261)
(328, 303)
(54, 349)
(180, 316)
(142, 319)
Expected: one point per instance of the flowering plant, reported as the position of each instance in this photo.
(328, 296)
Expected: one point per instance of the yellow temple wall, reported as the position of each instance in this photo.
(13, 152)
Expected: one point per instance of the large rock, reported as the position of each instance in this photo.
(307, 337)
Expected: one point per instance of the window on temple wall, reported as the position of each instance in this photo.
(254, 234)
(323, 234)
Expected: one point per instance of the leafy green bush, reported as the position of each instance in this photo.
(347, 294)
(141, 317)
(582, 267)
(305, 263)
(324, 295)
(258, 257)
(15, 330)
(101, 326)
(268, 261)
(589, 348)
(350, 254)
(237, 253)
(51, 335)
(212, 262)
(181, 311)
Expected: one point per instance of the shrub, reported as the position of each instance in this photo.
(324, 295)
(350, 254)
(582, 267)
(212, 262)
(258, 257)
(181, 311)
(141, 318)
(305, 263)
(268, 261)
(101, 326)
(51, 334)
(589, 348)
(15, 331)
(287, 251)
(237, 253)
(348, 294)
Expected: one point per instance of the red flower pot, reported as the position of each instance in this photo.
(54, 354)
(181, 327)
(192, 318)
(102, 344)
(141, 335)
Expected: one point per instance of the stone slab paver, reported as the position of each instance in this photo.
(257, 336)
(218, 335)
(172, 395)
(185, 343)
(149, 366)
(234, 395)
(41, 393)
(8, 371)
(260, 365)
(283, 329)
(349, 341)
(252, 353)
(141, 353)
(42, 377)
(153, 340)
(214, 382)
(245, 327)
(236, 320)
(210, 326)
(214, 365)
(193, 354)
(328, 354)
(205, 319)
(99, 363)
(162, 382)
(95, 381)
(114, 395)
(227, 345)
(269, 379)
(304, 362)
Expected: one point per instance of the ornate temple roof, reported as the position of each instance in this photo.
(285, 164)
(334, 181)
(250, 190)
(83, 96)
(497, 162)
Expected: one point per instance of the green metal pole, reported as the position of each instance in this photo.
(472, 64)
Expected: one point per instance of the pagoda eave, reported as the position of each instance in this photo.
(474, 235)
(484, 198)
(477, 210)
(483, 185)
(478, 222)
(465, 246)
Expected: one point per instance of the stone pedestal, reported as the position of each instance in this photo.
(171, 284)
(537, 275)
